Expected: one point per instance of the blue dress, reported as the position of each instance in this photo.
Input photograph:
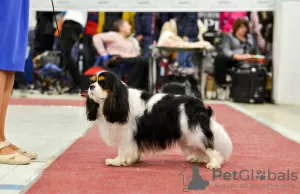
(14, 21)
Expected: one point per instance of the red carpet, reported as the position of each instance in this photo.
(82, 170)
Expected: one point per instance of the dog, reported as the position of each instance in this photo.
(169, 37)
(137, 122)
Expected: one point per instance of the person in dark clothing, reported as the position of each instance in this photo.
(44, 33)
(236, 48)
(136, 69)
(144, 30)
(70, 34)
(90, 52)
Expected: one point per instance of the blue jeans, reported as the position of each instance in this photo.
(185, 58)
(146, 43)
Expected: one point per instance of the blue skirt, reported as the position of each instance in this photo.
(14, 21)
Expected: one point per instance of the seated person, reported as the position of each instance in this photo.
(236, 47)
(124, 51)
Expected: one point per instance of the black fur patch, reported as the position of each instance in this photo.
(116, 105)
(146, 96)
(160, 129)
(91, 109)
(197, 114)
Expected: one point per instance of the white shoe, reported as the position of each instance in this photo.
(221, 93)
(13, 159)
(30, 155)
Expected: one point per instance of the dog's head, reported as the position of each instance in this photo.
(107, 90)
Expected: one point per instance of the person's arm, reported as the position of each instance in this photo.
(226, 47)
(100, 39)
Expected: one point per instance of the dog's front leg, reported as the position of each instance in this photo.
(127, 155)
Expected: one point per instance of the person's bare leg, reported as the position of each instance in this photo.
(4, 94)
(10, 77)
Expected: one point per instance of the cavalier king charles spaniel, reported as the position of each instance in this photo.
(137, 122)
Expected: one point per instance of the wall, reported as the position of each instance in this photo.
(287, 52)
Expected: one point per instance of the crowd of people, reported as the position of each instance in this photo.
(124, 38)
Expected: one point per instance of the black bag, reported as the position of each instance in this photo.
(248, 83)
(176, 88)
(176, 85)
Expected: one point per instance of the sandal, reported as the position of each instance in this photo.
(13, 159)
(30, 155)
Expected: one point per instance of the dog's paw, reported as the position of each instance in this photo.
(198, 159)
(213, 165)
(115, 162)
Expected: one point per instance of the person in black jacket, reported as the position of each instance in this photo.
(44, 32)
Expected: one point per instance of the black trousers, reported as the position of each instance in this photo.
(69, 36)
(221, 66)
(20, 80)
(89, 51)
(137, 70)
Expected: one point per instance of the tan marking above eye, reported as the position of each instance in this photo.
(107, 91)
(93, 79)
(101, 78)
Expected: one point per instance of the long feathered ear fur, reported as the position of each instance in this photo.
(91, 109)
(116, 105)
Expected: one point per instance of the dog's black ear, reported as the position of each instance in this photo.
(116, 105)
(209, 111)
(91, 109)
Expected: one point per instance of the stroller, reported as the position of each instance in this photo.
(48, 75)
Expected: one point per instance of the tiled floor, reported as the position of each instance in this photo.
(50, 130)
(45, 130)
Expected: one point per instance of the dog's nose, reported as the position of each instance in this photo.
(92, 87)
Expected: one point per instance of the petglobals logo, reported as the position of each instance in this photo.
(253, 174)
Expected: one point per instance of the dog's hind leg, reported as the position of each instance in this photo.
(198, 158)
(200, 139)
(203, 151)
(215, 159)
(192, 153)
